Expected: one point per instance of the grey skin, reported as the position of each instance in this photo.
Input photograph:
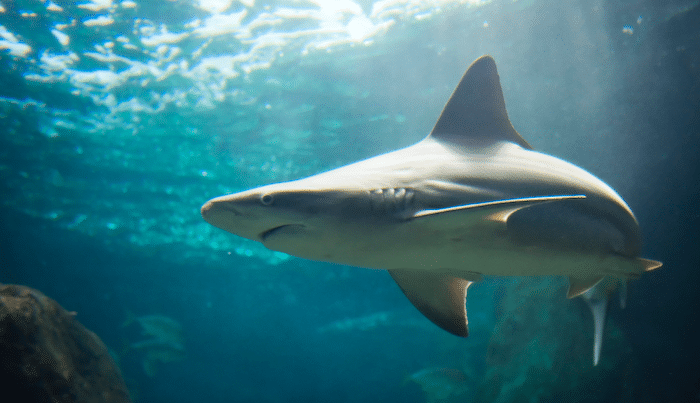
(471, 199)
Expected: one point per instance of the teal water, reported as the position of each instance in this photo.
(119, 119)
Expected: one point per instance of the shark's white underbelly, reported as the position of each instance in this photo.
(509, 262)
(463, 254)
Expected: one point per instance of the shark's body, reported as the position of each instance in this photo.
(472, 198)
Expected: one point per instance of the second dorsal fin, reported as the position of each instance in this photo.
(476, 110)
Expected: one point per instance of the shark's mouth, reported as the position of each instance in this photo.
(286, 229)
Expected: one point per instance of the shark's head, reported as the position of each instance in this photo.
(283, 217)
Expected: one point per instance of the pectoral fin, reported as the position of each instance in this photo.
(579, 285)
(441, 298)
(496, 211)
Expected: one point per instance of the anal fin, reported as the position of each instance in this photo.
(440, 297)
(579, 285)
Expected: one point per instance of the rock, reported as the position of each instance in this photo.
(47, 356)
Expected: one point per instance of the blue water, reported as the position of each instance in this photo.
(119, 119)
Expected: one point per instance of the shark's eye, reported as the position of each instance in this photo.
(266, 199)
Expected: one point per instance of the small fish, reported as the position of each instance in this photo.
(472, 198)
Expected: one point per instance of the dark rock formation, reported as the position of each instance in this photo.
(47, 356)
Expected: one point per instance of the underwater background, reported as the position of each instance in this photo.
(119, 119)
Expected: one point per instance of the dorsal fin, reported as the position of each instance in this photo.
(476, 110)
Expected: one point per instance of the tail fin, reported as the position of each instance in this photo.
(599, 308)
(623, 293)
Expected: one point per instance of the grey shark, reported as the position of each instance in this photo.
(472, 198)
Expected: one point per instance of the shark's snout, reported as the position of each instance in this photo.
(214, 206)
(206, 209)
(243, 217)
(222, 214)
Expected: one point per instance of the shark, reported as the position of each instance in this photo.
(473, 198)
